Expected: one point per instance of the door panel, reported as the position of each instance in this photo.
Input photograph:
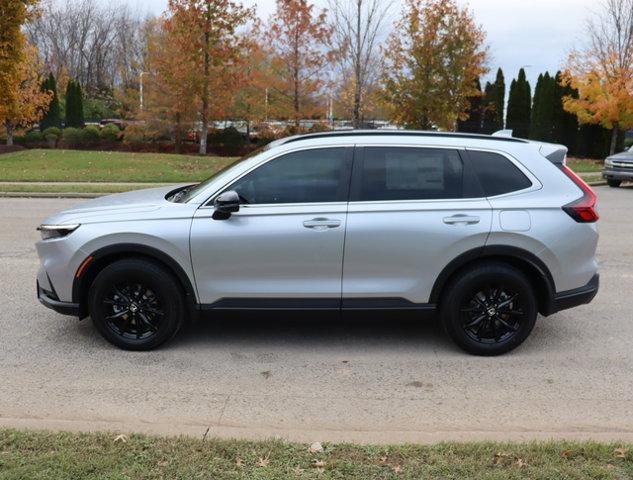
(269, 252)
(398, 249)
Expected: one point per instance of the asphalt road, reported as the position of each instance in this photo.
(379, 380)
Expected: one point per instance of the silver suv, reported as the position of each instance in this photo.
(486, 231)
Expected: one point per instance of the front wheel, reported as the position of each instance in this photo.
(614, 183)
(136, 304)
(489, 309)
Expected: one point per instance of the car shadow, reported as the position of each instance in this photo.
(313, 329)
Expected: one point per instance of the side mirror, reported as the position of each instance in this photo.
(225, 204)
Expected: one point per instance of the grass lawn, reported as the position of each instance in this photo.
(68, 187)
(59, 456)
(96, 166)
(581, 165)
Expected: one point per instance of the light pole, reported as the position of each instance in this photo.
(140, 81)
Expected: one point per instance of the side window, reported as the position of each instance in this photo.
(407, 173)
(497, 175)
(308, 176)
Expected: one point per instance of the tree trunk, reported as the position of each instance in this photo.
(178, 134)
(357, 69)
(9, 127)
(614, 138)
(205, 85)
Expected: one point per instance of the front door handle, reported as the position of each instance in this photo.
(322, 223)
(461, 219)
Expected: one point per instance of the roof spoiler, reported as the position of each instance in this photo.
(503, 133)
(557, 154)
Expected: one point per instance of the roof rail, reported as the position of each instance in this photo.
(400, 133)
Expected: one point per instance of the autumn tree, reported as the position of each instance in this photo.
(21, 99)
(205, 34)
(602, 71)
(473, 122)
(298, 37)
(356, 26)
(433, 57)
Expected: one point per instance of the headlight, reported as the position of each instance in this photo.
(608, 162)
(56, 231)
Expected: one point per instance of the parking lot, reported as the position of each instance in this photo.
(380, 380)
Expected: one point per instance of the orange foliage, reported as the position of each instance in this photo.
(433, 57)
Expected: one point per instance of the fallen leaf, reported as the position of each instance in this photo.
(318, 463)
(521, 463)
(383, 460)
(500, 458)
(397, 469)
(239, 462)
(567, 453)
(316, 447)
(621, 452)
(263, 462)
(298, 471)
(163, 463)
(266, 374)
(120, 438)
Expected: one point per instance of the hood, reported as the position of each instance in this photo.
(622, 157)
(117, 205)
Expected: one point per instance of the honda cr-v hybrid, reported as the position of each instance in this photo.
(486, 231)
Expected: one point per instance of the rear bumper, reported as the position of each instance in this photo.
(618, 173)
(48, 299)
(577, 296)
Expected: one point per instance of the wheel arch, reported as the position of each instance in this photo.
(103, 257)
(534, 268)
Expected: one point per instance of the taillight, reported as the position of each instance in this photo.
(582, 210)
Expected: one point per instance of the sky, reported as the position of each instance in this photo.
(536, 34)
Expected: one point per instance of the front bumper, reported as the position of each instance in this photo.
(616, 173)
(49, 300)
(577, 296)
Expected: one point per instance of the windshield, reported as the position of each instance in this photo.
(187, 193)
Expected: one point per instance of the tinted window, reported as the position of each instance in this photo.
(299, 177)
(497, 174)
(401, 173)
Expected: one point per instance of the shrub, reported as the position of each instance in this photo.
(33, 138)
(134, 134)
(110, 133)
(52, 131)
(90, 135)
(230, 139)
(51, 139)
(72, 137)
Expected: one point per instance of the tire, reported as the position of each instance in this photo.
(136, 304)
(489, 308)
(614, 183)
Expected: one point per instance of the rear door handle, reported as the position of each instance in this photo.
(461, 219)
(322, 223)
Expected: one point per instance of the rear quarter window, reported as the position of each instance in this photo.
(497, 175)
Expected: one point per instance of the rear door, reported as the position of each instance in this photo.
(412, 211)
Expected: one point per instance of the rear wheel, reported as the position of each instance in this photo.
(489, 309)
(136, 304)
(614, 183)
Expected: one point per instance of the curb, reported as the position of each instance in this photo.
(599, 183)
(50, 195)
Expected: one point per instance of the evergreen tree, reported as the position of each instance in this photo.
(489, 122)
(519, 106)
(473, 123)
(500, 99)
(565, 129)
(74, 105)
(543, 118)
(52, 118)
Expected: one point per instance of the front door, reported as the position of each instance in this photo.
(284, 248)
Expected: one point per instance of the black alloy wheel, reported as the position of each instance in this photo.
(489, 308)
(136, 304)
